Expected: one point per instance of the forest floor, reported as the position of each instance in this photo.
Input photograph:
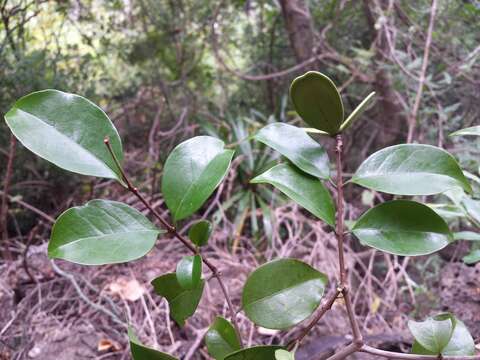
(57, 310)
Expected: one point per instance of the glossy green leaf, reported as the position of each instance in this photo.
(442, 334)
(411, 169)
(317, 101)
(255, 353)
(474, 131)
(294, 143)
(192, 172)
(221, 339)
(200, 232)
(466, 235)
(182, 302)
(189, 272)
(67, 130)
(282, 293)
(142, 352)
(284, 355)
(359, 110)
(101, 232)
(403, 227)
(302, 188)
(472, 257)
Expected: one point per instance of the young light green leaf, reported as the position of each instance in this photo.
(221, 339)
(433, 334)
(317, 101)
(101, 232)
(359, 110)
(302, 188)
(472, 257)
(282, 293)
(411, 169)
(294, 143)
(67, 130)
(255, 353)
(200, 232)
(183, 303)
(466, 235)
(142, 352)
(403, 227)
(189, 272)
(474, 131)
(192, 172)
(442, 334)
(284, 355)
(473, 208)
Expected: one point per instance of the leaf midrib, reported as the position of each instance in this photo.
(100, 161)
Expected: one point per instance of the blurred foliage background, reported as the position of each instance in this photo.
(165, 70)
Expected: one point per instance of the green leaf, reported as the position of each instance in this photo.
(473, 208)
(302, 188)
(255, 353)
(101, 232)
(182, 302)
(67, 130)
(359, 110)
(192, 172)
(142, 352)
(221, 339)
(474, 130)
(294, 143)
(317, 101)
(442, 334)
(433, 334)
(466, 235)
(411, 169)
(284, 355)
(200, 232)
(473, 257)
(403, 227)
(282, 293)
(189, 272)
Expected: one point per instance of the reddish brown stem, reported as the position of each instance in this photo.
(4, 205)
(173, 231)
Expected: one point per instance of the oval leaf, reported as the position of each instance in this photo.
(192, 172)
(282, 293)
(221, 339)
(200, 232)
(183, 303)
(432, 337)
(189, 272)
(101, 232)
(359, 110)
(67, 130)
(317, 101)
(255, 353)
(433, 334)
(474, 131)
(142, 352)
(302, 188)
(472, 257)
(411, 169)
(403, 227)
(294, 143)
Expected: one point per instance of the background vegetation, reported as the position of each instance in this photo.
(166, 70)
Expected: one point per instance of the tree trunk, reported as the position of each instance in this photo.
(298, 23)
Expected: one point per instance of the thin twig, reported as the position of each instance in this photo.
(400, 356)
(4, 205)
(421, 83)
(173, 231)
